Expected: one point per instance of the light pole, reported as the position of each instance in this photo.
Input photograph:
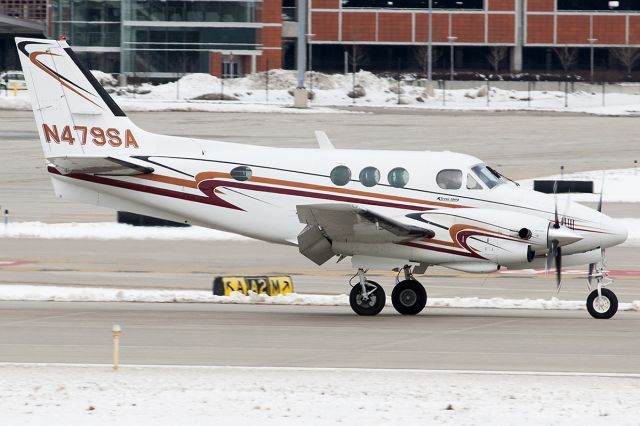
(310, 59)
(451, 40)
(429, 44)
(592, 41)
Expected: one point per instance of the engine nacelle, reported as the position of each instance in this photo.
(498, 236)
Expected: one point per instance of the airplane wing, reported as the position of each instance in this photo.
(348, 223)
(98, 166)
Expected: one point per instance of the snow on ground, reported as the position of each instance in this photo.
(36, 293)
(620, 185)
(112, 231)
(39, 394)
(249, 94)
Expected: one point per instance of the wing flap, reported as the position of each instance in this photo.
(109, 166)
(348, 223)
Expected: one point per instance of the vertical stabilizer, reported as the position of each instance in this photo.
(74, 114)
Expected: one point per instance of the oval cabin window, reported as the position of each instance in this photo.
(398, 177)
(241, 173)
(340, 175)
(370, 176)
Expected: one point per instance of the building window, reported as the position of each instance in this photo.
(599, 5)
(449, 179)
(398, 177)
(241, 173)
(370, 176)
(340, 175)
(414, 4)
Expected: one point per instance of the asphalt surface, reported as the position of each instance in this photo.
(521, 145)
(305, 336)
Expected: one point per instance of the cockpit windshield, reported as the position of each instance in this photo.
(487, 175)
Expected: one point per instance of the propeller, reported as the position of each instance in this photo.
(554, 254)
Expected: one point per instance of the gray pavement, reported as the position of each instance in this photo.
(307, 336)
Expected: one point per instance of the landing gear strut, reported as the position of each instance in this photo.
(366, 297)
(409, 296)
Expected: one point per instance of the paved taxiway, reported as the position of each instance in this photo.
(304, 336)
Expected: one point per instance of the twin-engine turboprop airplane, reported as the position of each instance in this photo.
(384, 209)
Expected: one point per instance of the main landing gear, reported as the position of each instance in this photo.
(368, 298)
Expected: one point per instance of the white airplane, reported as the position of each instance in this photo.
(401, 210)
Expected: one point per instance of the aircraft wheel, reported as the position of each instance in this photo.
(371, 305)
(409, 297)
(603, 307)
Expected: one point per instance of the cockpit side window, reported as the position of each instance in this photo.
(449, 179)
(486, 176)
(472, 183)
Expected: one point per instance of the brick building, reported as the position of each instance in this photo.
(390, 31)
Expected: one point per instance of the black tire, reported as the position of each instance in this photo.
(605, 308)
(373, 306)
(409, 297)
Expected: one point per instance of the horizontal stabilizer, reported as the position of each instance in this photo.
(98, 166)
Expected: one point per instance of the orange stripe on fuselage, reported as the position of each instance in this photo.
(280, 182)
(170, 180)
(287, 183)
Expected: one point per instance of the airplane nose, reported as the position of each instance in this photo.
(615, 232)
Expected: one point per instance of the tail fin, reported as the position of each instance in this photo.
(74, 114)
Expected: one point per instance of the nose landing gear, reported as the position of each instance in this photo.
(602, 303)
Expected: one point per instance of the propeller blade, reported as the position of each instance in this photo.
(558, 259)
(601, 192)
(551, 255)
(556, 223)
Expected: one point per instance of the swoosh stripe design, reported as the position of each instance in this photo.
(33, 57)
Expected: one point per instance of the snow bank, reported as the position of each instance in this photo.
(96, 294)
(112, 231)
(169, 395)
(330, 90)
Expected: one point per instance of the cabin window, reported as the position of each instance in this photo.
(449, 179)
(370, 176)
(398, 177)
(241, 173)
(472, 183)
(340, 175)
